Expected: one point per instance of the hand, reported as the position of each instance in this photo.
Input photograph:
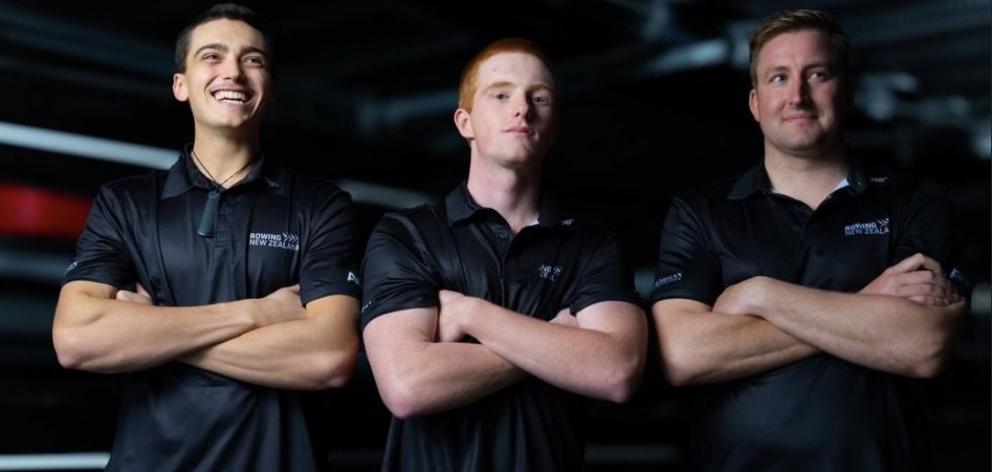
(452, 311)
(279, 306)
(918, 278)
(742, 297)
(565, 318)
(140, 295)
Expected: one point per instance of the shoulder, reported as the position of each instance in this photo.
(411, 222)
(139, 191)
(136, 184)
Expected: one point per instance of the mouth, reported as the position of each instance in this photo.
(232, 96)
(800, 118)
(520, 129)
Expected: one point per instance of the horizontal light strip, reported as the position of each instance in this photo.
(67, 461)
(86, 146)
(381, 195)
(103, 149)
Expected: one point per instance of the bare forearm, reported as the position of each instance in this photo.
(886, 333)
(707, 347)
(428, 377)
(296, 355)
(105, 335)
(581, 360)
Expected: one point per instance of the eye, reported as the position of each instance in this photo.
(777, 79)
(500, 96)
(820, 75)
(541, 99)
(210, 56)
(257, 61)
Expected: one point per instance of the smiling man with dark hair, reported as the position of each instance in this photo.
(219, 286)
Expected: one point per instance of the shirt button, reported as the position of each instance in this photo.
(503, 234)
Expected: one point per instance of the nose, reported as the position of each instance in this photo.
(231, 68)
(799, 93)
(522, 106)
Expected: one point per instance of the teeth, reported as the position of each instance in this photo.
(230, 95)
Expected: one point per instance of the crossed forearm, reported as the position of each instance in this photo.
(886, 333)
(586, 361)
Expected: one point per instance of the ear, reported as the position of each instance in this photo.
(179, 87)
(463, 121)
(752, 103)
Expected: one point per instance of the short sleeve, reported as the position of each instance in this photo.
(396, 273)
(687, 266)
(329, 264)
(606, 277)
(101, 252)
(926, 227)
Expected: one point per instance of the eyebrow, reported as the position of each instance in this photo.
(224, 48)
(506, 83)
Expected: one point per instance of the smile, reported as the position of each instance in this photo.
(231, 96)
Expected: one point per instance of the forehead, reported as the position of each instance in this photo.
(517, 68)
(234, 34)
(796, 47)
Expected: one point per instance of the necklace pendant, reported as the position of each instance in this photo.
(208, 221)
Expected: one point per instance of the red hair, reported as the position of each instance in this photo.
(469, 83)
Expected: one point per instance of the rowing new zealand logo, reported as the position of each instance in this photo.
(284, 240)
(548, 271)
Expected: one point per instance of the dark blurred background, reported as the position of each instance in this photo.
(654, 103)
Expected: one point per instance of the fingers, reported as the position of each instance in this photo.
(917, 262)
(931, 300)
(133, 297)
(124, 295)
(141, 291)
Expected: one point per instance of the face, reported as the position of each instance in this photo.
(512, 119)
(227, 81)
(797, 99)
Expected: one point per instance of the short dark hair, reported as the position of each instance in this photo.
(228, 11)
(788, 21)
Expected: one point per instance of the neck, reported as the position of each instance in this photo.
(807, 179)
(222, 157)
(513, 193)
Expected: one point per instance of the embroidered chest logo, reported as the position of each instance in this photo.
(548, 271)
(285, 241)
(879, 226)
(353, 278)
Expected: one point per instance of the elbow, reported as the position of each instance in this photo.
(673, 362)
(932, 360)
(334, 369)
(678, 366)
(401, 399)
(625, 378)
(623, 386)
(68, 348)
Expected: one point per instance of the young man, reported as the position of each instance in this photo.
(484, 314)
(247, 268)
(812, 293)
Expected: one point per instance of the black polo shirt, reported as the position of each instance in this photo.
(273, 229)
(820, 413)
(544, 268)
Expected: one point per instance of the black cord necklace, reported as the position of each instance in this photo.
(208, 221)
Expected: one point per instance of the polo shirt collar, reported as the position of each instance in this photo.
(184, 175)
(756, 180)
(460, 206)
